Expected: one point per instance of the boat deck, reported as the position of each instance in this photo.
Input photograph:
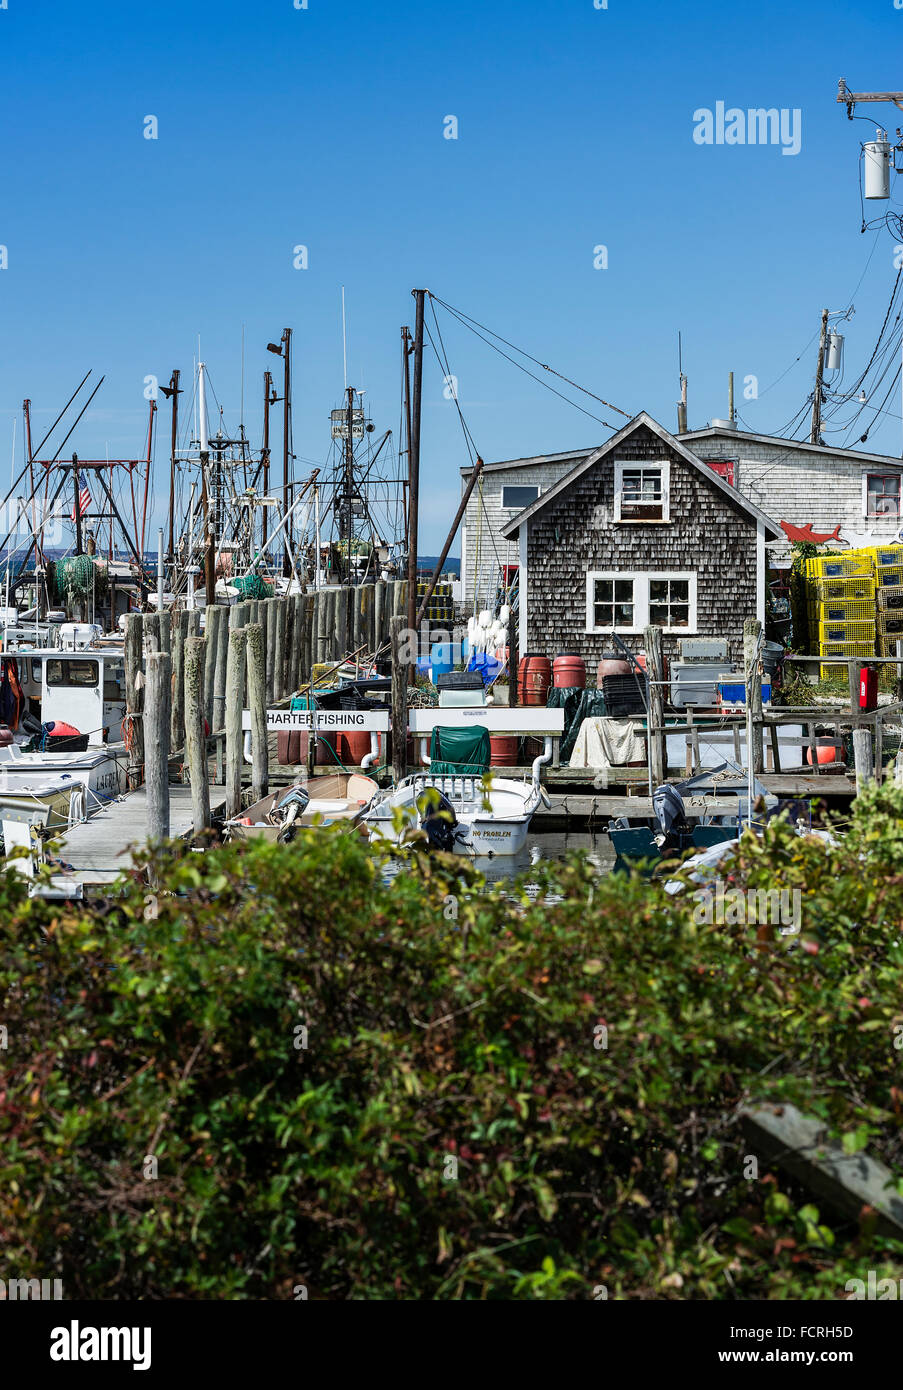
(99, 849)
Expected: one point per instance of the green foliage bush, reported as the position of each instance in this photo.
(445, 1021)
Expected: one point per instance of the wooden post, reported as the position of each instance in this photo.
(157, 720)
(513, 663)
(179, 632)
(165, 632)
(320, 652)
(257, 701)
(151, 630)
(752, 629)
(862, 758)
(218, 721)
(211, 640)
(853, 677)
(235, 693)
(879, 749)
(195, 740)
(279, 652)
(134, 696)
(399, 701)
(655, 666)
(270, 619)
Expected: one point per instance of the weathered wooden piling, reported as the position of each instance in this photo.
(156, 721)
(752, 630)
(257, 703)
(399, 700)
(279, 653)
(151, 631)
(177, 724)
(219, 688)
(235, 689)
(270, 620)
(211, 637)
(165, 632)
(195, 739)
(133, 650)
(863, 759)
(657, 746)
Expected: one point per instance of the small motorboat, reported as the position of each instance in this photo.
(459, 807)
(458, 812)
(342, 798)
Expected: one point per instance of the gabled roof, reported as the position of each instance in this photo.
(711, 477)
(532, 461)
(854, 455)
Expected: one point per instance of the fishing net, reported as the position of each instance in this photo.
(77, 577)
(251, 586)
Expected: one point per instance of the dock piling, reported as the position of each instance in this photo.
(157, 721)
(257, 702)
(235, 690)
(195, 738)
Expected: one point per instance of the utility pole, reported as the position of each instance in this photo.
(850, 99)
(406, 373)
(682, 406)
(730, 397)
(414, 457)
(819, 373)
(173, 393)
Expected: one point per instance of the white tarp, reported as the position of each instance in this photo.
(608, 743)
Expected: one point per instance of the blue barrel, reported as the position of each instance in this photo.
(442, 659)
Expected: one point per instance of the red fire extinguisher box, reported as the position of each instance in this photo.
(868, 687)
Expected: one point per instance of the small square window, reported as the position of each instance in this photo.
(641, 491)
(883, 491)
(613, 603)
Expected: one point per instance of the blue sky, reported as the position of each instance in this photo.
(324, 127)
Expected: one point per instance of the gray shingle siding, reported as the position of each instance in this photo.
(576, 533)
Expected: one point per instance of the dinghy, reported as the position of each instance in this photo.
(342, 798)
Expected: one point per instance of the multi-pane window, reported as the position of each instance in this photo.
(613, 602)
(883, 491)
(628, 602)
(669, 602)
(641, 492)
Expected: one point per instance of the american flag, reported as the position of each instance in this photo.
(84, 497)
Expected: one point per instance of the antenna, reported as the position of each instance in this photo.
(344, 344)
(241, 409)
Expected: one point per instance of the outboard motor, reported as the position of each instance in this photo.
(668, 805)
(438, 820)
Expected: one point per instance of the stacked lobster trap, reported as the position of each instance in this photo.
(855, 606)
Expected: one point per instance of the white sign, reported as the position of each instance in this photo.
(327, 720)
(497, 718)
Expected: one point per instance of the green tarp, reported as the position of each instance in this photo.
(459, 750)
(578, 704)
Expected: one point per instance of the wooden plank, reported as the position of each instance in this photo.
(99, 849)
(799, 1144)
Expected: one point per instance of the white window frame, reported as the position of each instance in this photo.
(881, 516)
(502, 505)
(662, 466)
(641, 580)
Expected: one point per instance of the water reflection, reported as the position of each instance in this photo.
(542, 846)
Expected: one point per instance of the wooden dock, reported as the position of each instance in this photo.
(99, 849)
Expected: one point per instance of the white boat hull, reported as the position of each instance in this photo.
(500, 829)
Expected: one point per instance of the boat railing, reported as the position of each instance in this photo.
(456, 786)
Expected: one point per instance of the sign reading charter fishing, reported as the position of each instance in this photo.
(325, 720)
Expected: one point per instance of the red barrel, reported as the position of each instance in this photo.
(569, 672)
(611, 665)
(503, 750)
(291, 748)
(534, 679)
(325, 758)
(353, 747)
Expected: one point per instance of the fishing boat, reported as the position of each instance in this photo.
(33, 809)
(456, 804)
(339, 799)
